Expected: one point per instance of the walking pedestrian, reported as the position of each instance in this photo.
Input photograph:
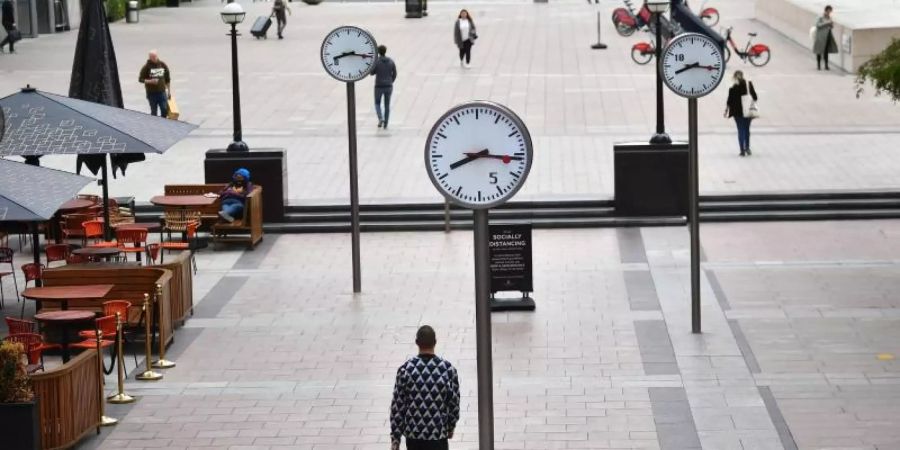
(464, 35)
(278, 9)
(824, 42)
(158, 83)
(8, 19)
(425, 407)
(385, 72)
(738, 106)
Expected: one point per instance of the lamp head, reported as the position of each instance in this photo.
(233, 14)
(658, 6)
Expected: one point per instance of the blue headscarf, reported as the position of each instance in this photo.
(242, 172)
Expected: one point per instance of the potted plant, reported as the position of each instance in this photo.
(18, 407)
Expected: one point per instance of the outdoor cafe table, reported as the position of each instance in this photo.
(185, 203)
(63, 294)
(95, 253)
(64, 320)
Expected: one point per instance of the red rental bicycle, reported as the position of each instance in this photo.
(643, 52)
(709, 16)
(758, 54)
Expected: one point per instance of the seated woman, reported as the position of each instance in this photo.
(235, 195)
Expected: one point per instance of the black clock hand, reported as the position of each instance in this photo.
(687, 67)
(469, 158)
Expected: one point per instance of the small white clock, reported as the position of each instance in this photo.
(348, 53)
(478, 154)
(692, 65)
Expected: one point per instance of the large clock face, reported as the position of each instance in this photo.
(692, 65)
(348, 53)
(478, 154)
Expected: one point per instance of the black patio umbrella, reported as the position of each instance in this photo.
(34, 194)
(41, 123)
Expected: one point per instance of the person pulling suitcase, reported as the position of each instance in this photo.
(278, 9)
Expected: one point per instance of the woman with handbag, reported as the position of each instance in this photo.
(824, 41)
(464, 35)
(9, 24)
(741, 105)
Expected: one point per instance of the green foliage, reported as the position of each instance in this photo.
(116, 9)
(883, 70)
(14, 384)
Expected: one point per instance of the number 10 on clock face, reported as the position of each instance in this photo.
(478, 154)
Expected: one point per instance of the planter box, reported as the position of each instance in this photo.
(20, 423)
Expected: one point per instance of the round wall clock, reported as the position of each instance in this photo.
(692, 65)
(348, 53)
(478, 154)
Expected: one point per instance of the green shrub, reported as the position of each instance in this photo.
(883, 70)
(116, 9)
(15, 386)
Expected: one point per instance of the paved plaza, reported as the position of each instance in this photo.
(536, 58)
(800, 329)
(801, 320)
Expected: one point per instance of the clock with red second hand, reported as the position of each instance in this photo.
(478, 154)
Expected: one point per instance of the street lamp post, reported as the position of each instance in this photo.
(233, 14)
(658, 8)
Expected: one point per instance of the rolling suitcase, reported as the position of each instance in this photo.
(261, 26)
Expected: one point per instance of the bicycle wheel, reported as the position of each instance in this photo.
(710, 16)
(727, 53)
(641, 57)
(760, 59)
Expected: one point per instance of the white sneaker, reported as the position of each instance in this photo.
(462, 64)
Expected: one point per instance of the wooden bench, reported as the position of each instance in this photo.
(69, 399)
(246, 230)
(129, 283)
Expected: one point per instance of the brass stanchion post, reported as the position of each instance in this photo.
(120, 397)
(163, 363)
(148, 374)
(104, 420)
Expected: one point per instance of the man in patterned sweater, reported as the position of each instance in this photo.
(425, 408)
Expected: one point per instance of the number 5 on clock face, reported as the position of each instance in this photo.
(478, 154)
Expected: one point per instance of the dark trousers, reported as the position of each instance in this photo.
(743, 128)
(417, 444)
(819, 59)
(7, 40)
(465, 51)
(159, 101)
(383, 92)
(281, 18)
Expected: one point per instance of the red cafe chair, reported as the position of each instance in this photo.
(32, 343)
(56, 252)
(25, 326)
(132, 240)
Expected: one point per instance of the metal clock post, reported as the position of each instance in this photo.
(478, 156)
(692, 66)
(348, 55)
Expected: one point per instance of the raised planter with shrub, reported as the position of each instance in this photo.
(19, 413)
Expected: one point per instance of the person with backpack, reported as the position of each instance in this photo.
(278, 9)
(385, 72)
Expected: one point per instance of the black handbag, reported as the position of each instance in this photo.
(15, 35)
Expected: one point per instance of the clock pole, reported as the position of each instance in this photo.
(483, 332)
(354, 186)
(694, 213)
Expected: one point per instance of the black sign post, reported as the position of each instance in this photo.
(510, 254)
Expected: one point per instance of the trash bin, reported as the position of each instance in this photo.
(172, 3)
(132, 12)
(414, 9)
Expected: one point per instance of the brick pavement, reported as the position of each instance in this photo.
(535, 58)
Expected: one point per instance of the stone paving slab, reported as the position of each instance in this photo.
(815, 134)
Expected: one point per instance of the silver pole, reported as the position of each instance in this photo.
(483, 332)
(694, 220)
(354, 186)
